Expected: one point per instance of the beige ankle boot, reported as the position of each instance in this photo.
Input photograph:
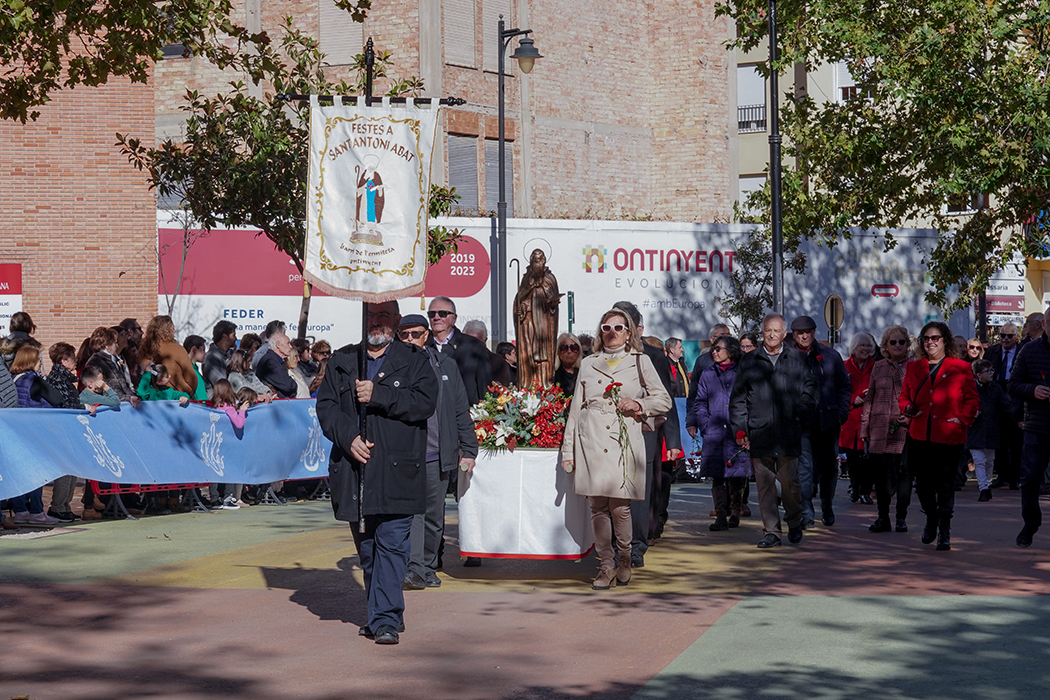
(623, 569)
(605, 579)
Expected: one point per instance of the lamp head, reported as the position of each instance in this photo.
(526, 54)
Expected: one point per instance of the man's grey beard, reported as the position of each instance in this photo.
(379, 339)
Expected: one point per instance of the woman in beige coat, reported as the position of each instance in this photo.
(592, 447)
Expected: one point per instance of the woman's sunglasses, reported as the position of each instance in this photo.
(565, 347)
(610, 327)
(896, 341)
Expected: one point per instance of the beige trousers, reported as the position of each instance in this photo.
(609, 515)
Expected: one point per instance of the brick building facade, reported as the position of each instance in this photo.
(628, 115)
(76, 216)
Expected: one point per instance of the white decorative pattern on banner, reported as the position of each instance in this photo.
(103, 455)
(315, 454)
(211, 441)
(368, 198)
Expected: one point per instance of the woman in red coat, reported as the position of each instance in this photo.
(940, 397)
(858, 366)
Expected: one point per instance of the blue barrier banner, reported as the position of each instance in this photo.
(161, 442)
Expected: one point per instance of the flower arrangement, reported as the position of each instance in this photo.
(512, 417)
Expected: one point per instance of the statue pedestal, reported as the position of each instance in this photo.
(521, 505)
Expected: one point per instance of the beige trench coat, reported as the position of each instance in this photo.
(591, 429)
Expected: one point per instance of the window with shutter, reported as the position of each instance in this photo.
(492, 174)
(846, 87)
(491, 10)
(463, 172)
(459, 30)
(341, 38)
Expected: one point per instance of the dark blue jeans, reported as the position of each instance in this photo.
(1034, 457)
(35, 499)
(384, 549)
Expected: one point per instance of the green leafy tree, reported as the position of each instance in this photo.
(244, 159)
(48, 45)
(951, 107)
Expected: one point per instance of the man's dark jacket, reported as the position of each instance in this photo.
(214, 367)
(273, 370)
(770, 403)
(672, 432)
(456, 437)
(404, 395)
(472, 357)
(1032, 369)
(833, 388)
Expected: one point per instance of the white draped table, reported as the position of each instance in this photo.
(520, 505)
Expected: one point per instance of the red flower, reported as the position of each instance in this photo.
(820, 358)
(740, 435)
(512, 443)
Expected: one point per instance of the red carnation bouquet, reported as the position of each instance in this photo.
(512, 417)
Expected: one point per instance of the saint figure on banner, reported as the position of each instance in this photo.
(371, 196)
(536, 322)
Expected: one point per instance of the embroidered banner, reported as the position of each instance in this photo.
(368, 198)
(160, 443)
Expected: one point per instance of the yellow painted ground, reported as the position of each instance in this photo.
(689, 561)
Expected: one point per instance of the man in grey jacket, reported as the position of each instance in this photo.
(451, 443)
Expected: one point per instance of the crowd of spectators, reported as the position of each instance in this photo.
(126, 363)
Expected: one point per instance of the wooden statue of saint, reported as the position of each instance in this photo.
(536, 322)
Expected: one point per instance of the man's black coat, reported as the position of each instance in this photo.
(404, 395)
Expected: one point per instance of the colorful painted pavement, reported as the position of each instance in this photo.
(264, 603)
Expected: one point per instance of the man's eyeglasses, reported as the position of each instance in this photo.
(610, 327)
(896, 341)
(1007, 335)
(932, 338)
(568, 347)
(414, 335)
(443, 313)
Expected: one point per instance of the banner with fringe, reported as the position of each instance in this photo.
(367, 199)
(160, 442)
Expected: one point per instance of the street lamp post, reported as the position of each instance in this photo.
(776, 197)
(526, 55)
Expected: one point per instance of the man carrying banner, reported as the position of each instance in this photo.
(398, 394)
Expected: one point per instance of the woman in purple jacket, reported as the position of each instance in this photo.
(721, 458)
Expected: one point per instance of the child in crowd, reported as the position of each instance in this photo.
(155, 385)
(982, 438)
(223, 397)
(63, 378)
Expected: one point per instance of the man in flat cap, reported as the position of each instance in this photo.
(820, 432)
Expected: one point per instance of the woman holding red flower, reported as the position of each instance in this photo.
(617, 392)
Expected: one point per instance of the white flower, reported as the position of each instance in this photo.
(502, 433)
(530, 404)
(478, 413)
